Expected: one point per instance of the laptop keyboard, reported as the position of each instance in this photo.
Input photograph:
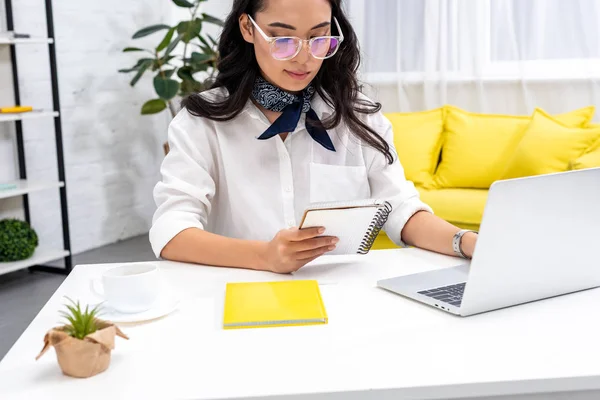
(451, 294)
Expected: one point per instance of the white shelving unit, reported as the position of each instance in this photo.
(5, 41)
(7, 117)
(26, 187)
(41, 256)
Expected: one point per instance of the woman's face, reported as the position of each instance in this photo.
(304, 19)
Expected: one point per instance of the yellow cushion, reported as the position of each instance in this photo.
(457, 206)
(580, 118)
(591, 158)
(383, 242)
(548, 146)
(418, 141)
(476, 147)
(461, 207)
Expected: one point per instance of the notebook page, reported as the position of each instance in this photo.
(349, 225)
(345, 204)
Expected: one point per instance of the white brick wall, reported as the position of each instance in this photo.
(112, 153)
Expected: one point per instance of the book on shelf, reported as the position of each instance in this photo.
(15, 109)
(7, 186)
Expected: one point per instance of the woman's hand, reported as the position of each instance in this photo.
(291, 249)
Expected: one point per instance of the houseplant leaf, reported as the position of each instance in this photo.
(189, 29)
(185, 73)
(173, 44)
(130, 49)
(206, 48)
(153, 106)
(143, 67)
(166, 41)
(169, 72)
(166, 88)
(212, 20)
(183, 3)
(150, 30)
(137, 65)
(200, 58)
(214, 42)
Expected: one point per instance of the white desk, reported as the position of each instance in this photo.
(377, 345)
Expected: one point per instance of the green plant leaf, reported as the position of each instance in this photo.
(153, 106)
(130, 49)
(143, 67)
(126, 70)
(166, 41)
(201, 67)
(185, 73)
(212, 20)
(80, 323)
(183, 3)
(173, 44)
(189, 29)
(200, 58)
(206, 46)
(166, 88)
(150, 30)
(169, 72)
(214, 42)
(137, 65)
(189, 86)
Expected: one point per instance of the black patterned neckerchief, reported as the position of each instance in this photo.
(291, 106)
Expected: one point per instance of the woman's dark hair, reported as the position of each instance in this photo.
(336, 82)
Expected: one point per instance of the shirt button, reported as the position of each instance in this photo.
(288, 189)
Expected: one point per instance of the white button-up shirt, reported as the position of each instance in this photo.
(219, 177)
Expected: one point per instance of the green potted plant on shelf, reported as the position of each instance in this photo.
(83, 345)
(18, 240)
(183, 62)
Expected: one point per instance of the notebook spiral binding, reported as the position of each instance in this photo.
(375, 227)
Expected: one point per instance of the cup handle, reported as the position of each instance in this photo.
(96, 287)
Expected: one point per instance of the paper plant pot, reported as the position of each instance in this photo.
(83, 358)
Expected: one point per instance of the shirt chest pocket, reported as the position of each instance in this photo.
(338, 183)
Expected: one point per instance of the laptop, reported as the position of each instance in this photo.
(539, 238)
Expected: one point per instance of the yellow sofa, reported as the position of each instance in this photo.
(453, 156)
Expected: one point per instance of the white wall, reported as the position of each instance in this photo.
(112, 153)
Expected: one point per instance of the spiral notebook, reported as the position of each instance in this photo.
(355, 223)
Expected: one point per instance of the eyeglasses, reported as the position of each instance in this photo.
(287, 47)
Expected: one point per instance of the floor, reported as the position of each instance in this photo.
(24, 293)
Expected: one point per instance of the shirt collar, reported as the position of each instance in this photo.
(318, 105)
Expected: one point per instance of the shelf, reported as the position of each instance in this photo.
(27, 115)
(5, 41)
(41, 256)
(25, 187)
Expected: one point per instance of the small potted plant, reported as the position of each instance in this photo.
(83, 345)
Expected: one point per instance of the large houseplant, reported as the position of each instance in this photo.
(183, 62)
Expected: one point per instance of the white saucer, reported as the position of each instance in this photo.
(165, 304)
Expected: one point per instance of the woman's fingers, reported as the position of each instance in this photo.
(314, 253)
(315, 243)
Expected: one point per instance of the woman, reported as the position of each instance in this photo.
(283, 126)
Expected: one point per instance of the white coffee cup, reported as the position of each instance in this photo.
(129, 288)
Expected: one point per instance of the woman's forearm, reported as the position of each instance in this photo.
(200, 247)
(429, 232)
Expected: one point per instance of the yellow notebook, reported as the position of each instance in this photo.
(268, 304)
(15, 109)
